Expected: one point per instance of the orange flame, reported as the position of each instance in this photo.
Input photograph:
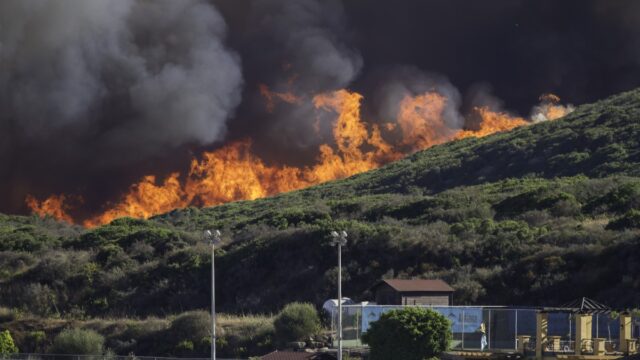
(270, 97)
(492, 122)
(54, 206)
(233, 172)
(421, 122)
(550, 108)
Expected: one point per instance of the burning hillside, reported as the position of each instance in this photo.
(134, 107)
(233, 172)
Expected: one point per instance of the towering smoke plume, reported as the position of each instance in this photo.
(296, 48)
(136, 107)
(98, 84)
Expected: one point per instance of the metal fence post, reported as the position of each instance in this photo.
(489, 331)
(516, 330)
(462, 329)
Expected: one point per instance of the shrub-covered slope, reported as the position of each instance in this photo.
(539, 215)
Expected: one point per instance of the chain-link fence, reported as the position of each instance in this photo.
(501, 325)
(485, 328)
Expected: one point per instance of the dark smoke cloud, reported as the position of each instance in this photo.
(391, 85)
(303, 47)
(95, 85)
(582, 50)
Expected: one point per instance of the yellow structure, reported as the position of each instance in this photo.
(523, 343)
(625, 334)
(584, 324)
(542, 327)
(554, 343)
(598, 347)
(586, 346)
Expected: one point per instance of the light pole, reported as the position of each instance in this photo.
(213, 238)
(339, 239)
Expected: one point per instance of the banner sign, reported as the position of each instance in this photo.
(465, 320)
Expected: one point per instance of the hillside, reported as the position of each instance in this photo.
(539, 215)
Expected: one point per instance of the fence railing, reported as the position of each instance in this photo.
(502, 326)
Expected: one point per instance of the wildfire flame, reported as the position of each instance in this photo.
(270, 97)
(421, 122)
(54, 206)
(492, 122)
(550, 108)
(234, 172)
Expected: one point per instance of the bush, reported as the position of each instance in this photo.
(192, 325)
(296, 322)
(630, 220)
(191, 333)
(34, 341)
(78, 341)
(7, 315)
(245, 335)
(410, 334)
(7, 346)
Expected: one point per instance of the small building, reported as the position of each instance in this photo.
(413, 292)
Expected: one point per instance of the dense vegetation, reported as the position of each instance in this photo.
(536, 216)
(410, 333)
(186, 334)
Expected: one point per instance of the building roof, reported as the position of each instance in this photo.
(416, 285)
(580, 306)
(296, 355)
(586, 306)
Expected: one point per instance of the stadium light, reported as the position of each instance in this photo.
(340, 240)
(213, 238)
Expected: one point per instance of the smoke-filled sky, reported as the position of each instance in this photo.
(95, 94)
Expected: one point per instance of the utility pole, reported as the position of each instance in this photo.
(339, 239)
(213, 238)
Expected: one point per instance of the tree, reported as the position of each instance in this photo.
(411, 333)
(78, 342)
(296, 321)
(7, 346)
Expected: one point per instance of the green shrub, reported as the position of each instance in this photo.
(34, 341)
(78, 341)
(7, 314)
(410, 334)
(184, 346)
(192, 325)
(245, 335)
(296, 322)
(7, 346)
(191, 333)
(630, 220)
